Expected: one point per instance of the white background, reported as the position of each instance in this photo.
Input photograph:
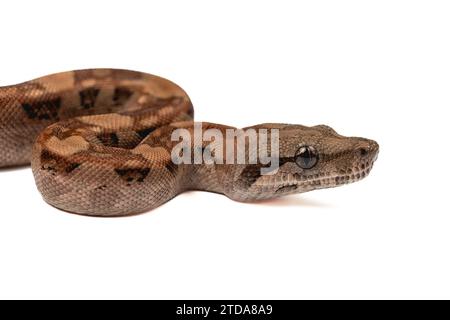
(377, 69)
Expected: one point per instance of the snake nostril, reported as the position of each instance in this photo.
(363, 151)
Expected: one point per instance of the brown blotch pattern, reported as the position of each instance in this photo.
(131, 175)
(56, 164)
(109, 139)
(43, 110)
(88, 97)
(121, 95)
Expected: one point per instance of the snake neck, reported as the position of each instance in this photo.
(202, 178)
(186, 149)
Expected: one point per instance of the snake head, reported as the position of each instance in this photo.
(309, 158)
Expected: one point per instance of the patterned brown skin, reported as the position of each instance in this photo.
(100, 144)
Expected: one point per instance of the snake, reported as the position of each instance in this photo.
(100, 143)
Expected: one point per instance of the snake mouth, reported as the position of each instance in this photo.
(302, 183)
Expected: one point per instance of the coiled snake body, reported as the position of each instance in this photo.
(99, 142)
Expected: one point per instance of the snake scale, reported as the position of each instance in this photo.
(99, 143)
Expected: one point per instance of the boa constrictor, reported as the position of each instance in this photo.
(99, 142)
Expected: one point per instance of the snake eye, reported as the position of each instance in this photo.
(306, 157)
